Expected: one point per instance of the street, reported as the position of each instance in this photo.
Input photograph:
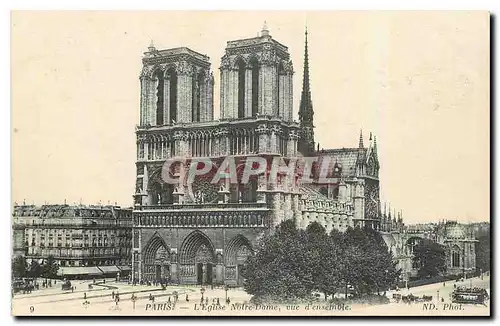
(54, 301)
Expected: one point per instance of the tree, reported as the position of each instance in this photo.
(35, 270)
(430, 257)
(384, 273)
(483, 253)
(49, 268)
(19, 266)
(369, 264)
(292, 263)
(323, 259)
(280, 268)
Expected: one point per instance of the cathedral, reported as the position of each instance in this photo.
(205, 238)
(199, 229)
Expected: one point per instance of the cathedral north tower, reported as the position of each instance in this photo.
(176, 87)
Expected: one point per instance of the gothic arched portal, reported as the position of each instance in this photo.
(156, 260)
(197, 259)
(237, 251)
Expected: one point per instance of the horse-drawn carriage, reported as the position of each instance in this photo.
(469, 295)
(411, 298)
(66, 285)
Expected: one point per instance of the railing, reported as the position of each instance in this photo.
(203, 219)
(206, 206)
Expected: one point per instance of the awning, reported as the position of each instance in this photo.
(125, 268)
(109, 269)
(78, 271)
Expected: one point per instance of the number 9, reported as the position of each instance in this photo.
(32, 308)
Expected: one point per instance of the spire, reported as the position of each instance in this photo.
(305, 101)
(306, 111)
(375, 144)
(361, 145)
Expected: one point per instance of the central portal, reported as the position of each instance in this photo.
(209, 273)
(199, 273)
(197, 257)
(204, 273)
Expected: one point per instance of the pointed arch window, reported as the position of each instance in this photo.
(172, 77)
(455, 257)
(197, 84)
(280, 90)
(337, 170)
(255, 86)
(160, 88)
(241, 88)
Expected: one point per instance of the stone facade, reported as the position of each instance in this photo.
(199, 232)
(458, 241)
(205, 239)
(76, 236)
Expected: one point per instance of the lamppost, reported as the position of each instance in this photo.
(134, 298)
(438, 296)
(226, 287)
(386, 279)
(481, 272)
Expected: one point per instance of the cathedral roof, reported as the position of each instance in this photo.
(309, 193)
(455, 231)
(345, 157)
(62, 211)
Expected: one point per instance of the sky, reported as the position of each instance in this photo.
(419, 81)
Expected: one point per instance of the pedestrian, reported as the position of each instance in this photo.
(218, 302)
(113, 295)
(72, 289)
(228, 301)
(169, 299)
(206, 301)
(444, 284)
(187, 297)
(84, 296)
